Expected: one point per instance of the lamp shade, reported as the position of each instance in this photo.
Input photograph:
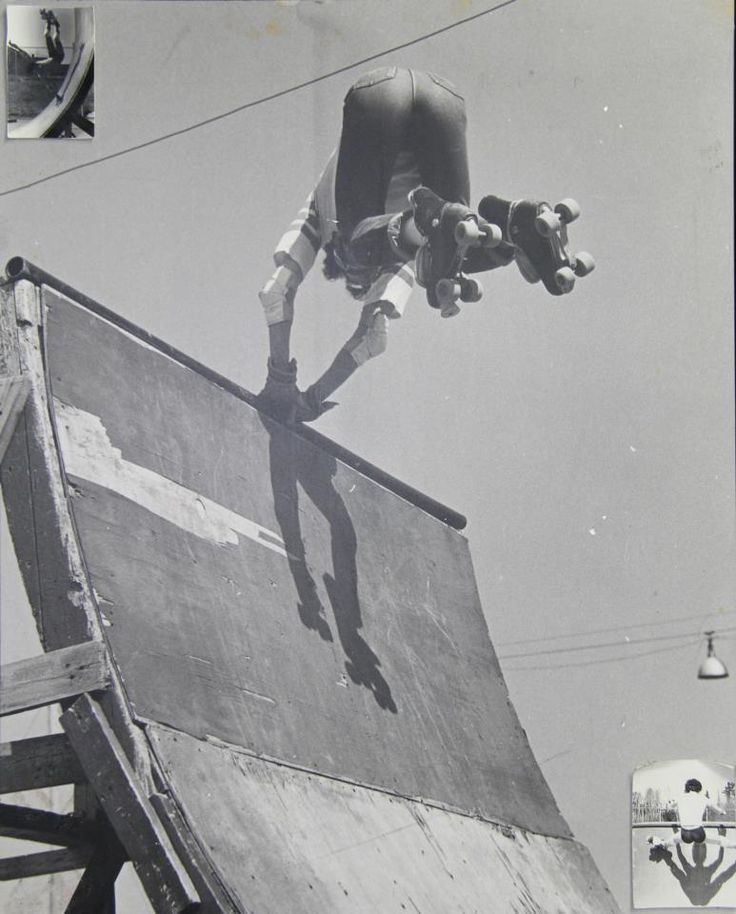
(712, 667)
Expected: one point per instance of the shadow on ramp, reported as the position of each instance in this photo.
(316, 477)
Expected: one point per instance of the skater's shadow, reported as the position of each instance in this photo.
(698, 881)
(291, 462)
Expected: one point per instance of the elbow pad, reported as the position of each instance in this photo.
(277, 296)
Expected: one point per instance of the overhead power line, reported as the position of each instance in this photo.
(259, 101)
(581, 663)
(604, 644)
(584, 633)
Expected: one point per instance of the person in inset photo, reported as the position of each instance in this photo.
(691, 806)
(52, 35)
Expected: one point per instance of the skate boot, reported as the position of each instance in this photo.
(539, 236)
(450, 229)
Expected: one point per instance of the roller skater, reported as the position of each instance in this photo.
(691, 807)
(53, 41)
(392, 207)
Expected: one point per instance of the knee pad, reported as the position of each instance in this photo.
(372, 341)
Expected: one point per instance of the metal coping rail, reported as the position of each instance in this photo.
(19, 268)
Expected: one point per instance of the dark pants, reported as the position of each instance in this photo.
(388, 111)
(693, 835)
(55, 47)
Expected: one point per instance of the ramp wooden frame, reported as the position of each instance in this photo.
(118, 813)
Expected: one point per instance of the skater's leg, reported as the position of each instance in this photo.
(58, 53)
(722, 839)
(676, 839)
(50, 47)
(438, 138)
(375, 119)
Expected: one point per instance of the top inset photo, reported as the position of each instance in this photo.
(50, 61)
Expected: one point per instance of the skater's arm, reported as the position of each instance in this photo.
(298, 246)
(277, 298)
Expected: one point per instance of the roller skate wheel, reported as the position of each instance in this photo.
(448, 291)
(547, 223)
(568, 209)
(472, 290)
(584, 263)
(450, 310)
(565, 279)
(492, 234)
(468, 232)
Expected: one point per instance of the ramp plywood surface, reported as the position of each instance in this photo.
(326, 723)
(300, 611)
(352, 851)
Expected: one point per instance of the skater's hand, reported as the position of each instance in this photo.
(280, 394)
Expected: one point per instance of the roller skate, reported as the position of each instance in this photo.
(539, 236)
(451, 229)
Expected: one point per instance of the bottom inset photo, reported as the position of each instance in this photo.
(683, 835)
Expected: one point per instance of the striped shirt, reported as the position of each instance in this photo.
(316, 224)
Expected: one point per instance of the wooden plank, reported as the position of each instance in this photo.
(129, 810)
(96, 889)
(206, 879)
(287, 840)
(52, 677)
(13, 395)
(44, 864)
(37, 763)
(25, 824)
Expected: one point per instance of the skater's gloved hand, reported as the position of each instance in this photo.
(309, 406)
(280, 394)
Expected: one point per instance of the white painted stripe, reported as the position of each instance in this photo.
(89, 454)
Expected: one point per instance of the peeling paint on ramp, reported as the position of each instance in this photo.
(89, 454)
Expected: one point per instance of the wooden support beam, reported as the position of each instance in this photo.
(129, 810)
(52, 677)
(44, 864)
(26, 824)
(13, 394)
(86, 804)
(38, 763)
(96, 889)
(205, 877)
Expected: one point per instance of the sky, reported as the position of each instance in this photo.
(589, 439)
(669, 778)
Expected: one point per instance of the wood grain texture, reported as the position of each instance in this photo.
(26, 824)
(13, 394)
(38, 763)
(53, 677)
(127, 807)
(44, 863)
(287, 840)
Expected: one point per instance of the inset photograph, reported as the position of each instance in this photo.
(50, 60)
(683, 818)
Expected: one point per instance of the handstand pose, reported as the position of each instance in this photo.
(691, 807)
(378, 212)
(53, 42)
(54, 46)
